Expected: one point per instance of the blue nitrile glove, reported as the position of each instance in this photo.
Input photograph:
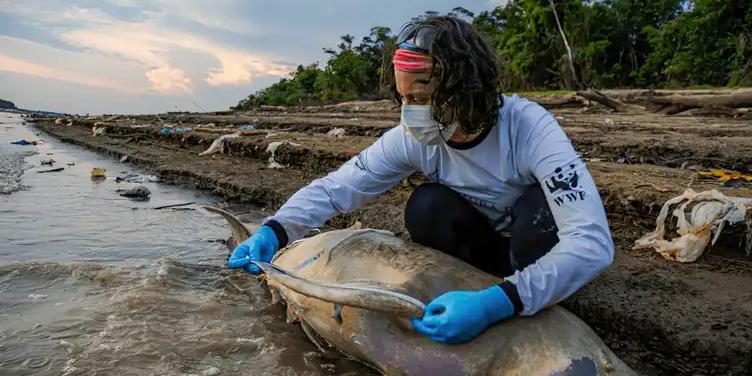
(259, 247)
(458, 316)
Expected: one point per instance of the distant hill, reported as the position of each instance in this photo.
(7, 105)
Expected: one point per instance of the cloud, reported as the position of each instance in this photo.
(35, 59)
(151, 45)
(156, 38)
(16, 65)
(497, 3)
(166, 80)
(55, 14)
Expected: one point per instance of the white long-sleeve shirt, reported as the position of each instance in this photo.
(526, 147)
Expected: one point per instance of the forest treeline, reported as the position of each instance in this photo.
(613, 43)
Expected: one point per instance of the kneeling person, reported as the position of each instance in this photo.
(508, 192)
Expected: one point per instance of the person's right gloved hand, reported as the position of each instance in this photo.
(259, 247)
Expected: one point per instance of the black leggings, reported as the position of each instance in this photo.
(438, 217)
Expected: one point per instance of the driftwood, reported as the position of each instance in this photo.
(570, 101)
(734, 104)
(597, 96)
(731, 104)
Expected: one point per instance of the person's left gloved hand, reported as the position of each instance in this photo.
(260, 247)
(459, 316)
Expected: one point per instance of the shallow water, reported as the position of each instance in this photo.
(94, 283)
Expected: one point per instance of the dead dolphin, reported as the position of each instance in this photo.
(139, 193)
(354, 290)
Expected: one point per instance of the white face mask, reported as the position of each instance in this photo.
(418, 121)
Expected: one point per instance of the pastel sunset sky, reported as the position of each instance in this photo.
(138, 56)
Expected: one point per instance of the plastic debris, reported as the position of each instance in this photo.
(47, 162)
(166, 131)
(136, 178)
(336, 132)
(272, 149)
(98, 173)
(139, 193)
(124, 159)
(248, 127)
(700, 218)
(727, 177)
(23, 142)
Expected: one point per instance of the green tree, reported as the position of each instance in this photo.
(707, 44)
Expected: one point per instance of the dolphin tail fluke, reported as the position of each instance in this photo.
(239, 231)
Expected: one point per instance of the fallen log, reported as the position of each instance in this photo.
(731, 100)
(569, 101)
(597, 96)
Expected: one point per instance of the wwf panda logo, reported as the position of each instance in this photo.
(564, 180)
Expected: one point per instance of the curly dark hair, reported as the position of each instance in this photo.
(465, 74)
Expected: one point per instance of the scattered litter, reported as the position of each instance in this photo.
(166, 131)
(272, 148)
(136, 178)
(71, 163)
(699, 217)
(608, 122)
(218, 146)
(248, 127)
(124, 159)
(98, 173)
(37, 296)
(47, 162)
(211, 371)
(727, 177)
(23, 142)
(68, 122)
(52, 170)
(173, 205)
(336, 132)
(207, 125)
(139, 192)
(97, 131)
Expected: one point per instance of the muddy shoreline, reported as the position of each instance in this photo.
(660, 317)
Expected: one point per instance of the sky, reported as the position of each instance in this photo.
(138, 56)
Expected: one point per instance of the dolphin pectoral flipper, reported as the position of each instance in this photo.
(239, 232)
(365, 297)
